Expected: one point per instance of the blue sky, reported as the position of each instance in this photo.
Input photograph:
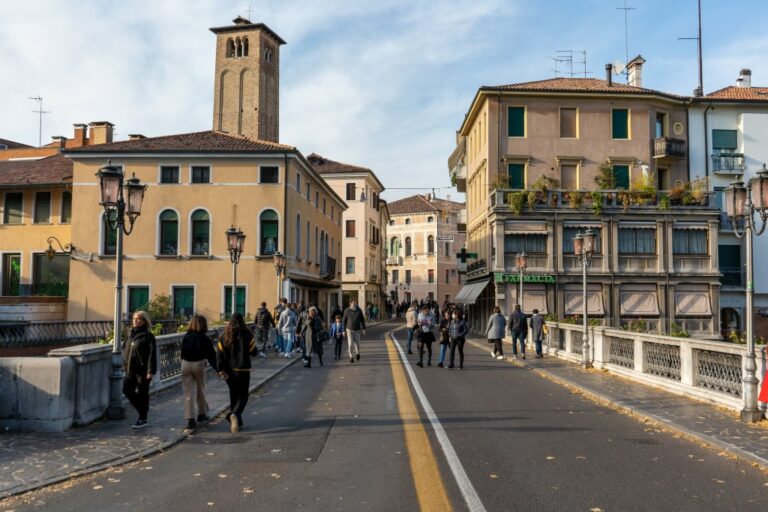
(382, 84)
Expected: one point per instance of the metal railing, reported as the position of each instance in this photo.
(15, 335)
(732, 276)
(728, 163)
(328, 267)
(608, 200)
(668, 147)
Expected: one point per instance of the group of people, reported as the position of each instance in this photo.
(296, 326)
(518, 325)
(423, 319)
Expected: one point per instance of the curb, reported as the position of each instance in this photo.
(610, 402)
(162, 447)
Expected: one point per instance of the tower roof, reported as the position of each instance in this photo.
(241, 24)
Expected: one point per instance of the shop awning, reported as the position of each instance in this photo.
(574, 303)
(690, 225)
(470, 292)
(692, 300)
(639, 300)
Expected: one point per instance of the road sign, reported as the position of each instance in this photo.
(445, 238)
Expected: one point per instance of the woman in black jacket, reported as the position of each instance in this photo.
(139, 365)
(457, 330)
(310, 328)
(233, 361)
(196, 353)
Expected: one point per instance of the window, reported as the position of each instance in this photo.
(532, 244)
(201, 232)
(447, 276)
(407, 221)
(298, 182)
(516, 122)
(42, 213)
(317, 246)
(620, 123)
(637, 241)
(138, 298)
(317, 199)
(11, 273)
(569, 177)
(407, 246)
(430, 244)
(298, 237)
(351, 190)
(13, 211)
(447, 248)
(308, 192)
(239, 300)
(201, 174)
(391, 222)
(66, 207)
(50, 277)
(516, 174)
(169, 174)
(570, 232)
(350, 268)
(690, 241)
(268, 230)
(169, 233)
(569, 123)
(661, 125)
(183, 298)
(308, 249)
(268, 174)
(395, 276)
(430, 219)
(724, 141)
(621, 176)
(350, 224)
(407, 277)
(729, 258)
(431, 275)
(323, 206)
(109, 237)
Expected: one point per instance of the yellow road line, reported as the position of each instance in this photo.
(430, 489)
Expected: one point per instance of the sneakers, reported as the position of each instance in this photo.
(202, 417)
(234, 427)
(420, 364)
(439, 365)
(499, 357)
(357, 357)
(191, 424)
(262, 354)
(493, 353)
(140, 424)
(351, 359)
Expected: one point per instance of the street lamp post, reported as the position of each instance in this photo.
(279, 260)
(521, 262)
(741, 204)
(120, 199)
(584, 248)
(235, 242)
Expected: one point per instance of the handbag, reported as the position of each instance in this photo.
(323, 336)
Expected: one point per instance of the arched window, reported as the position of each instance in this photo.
(407, 246)
(238, 47)
(309, 244)
(317, 246)
(230, 48)
(109, 236)
(268, 231)
(394, 246)
(245, 47)
(430, 219)
(201, 232)
(298, 236)
(169, 233)
(430, 244)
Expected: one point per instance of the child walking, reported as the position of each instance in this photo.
(337, 335)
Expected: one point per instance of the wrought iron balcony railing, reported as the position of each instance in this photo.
(667, 147)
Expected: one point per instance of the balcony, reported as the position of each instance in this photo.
(327, 268)
(461, 221)
(394, 260)
(727, 224)
(520, 201)
(478, 267)
(732, 276)
(690, 264)
(667, 147)
(728, 163)
(457, 168)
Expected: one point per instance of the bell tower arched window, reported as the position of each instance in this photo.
(268, 232)
(230, 48)
(245, 47)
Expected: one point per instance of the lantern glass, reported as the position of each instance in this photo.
(232, 239)
(589, 241)
(110, 180)
(578, 244)
(521, 260)
(240, 241)
(135, 191)
(735, 199)
(759, 187)
(50, 252)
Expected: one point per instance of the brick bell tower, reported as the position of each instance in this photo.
(246, 91)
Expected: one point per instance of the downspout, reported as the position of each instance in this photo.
(706, 142)
(688, 139)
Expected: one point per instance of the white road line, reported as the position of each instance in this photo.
(462, 480)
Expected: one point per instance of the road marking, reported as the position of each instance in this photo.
(474, 504)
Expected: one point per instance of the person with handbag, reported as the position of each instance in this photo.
(233, 361)
(196, 353)
(310, 329)
(139, 365)
(497, 326)
(538, 325)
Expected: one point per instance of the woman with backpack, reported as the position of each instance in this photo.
(233, 360)
(196, 353)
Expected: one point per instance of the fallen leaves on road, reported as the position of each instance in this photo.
(247, 490)
(222, 476)
(550, 457)
(98, 487)
(113, 480)
(275, 475)
(595, 509)
(494, 475)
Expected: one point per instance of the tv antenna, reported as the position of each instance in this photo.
(700, 90)
(40, 113)
(565, 61)
(626, 10)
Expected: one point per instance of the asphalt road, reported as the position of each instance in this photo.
(333, 438)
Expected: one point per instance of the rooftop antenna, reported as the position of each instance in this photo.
(700, 90)
(40, 113)
(626, 10)
(565, 58)
(249, 11)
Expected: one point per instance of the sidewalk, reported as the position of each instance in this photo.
(30, 460)
(697, 420)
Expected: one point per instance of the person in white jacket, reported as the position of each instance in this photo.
(287, 328)
(410, 323)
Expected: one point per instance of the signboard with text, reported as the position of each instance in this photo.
(500, 277)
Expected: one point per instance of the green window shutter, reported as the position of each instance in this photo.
(138, 298)
(239, 300)
(183, 301)
(724, 139)
(516, 122)
(729, 256)
(620, 123)
(621, 176)
(516, 174)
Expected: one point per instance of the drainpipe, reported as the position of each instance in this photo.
(688, 140)
(706, 142)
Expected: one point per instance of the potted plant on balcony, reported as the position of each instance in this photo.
(664, 202)
(597, 202)
(677, 192)
(605, 179)
(516, 201)
(538, 191)
(643, 189)
(699, 187)
(575, 199)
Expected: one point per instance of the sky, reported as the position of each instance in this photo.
(382, 84)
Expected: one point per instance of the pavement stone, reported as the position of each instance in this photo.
(698, 420)
(29, 460)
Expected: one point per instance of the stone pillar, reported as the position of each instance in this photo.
(92, 369)
(498, 242)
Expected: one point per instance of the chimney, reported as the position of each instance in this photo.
(635, 71)
(101, 132)
(609, 75)
(745, 78)
(80, 132)
(58, 141)
(135, 136)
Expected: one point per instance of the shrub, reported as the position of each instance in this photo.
(664, 202)
(638, 326)
(516, 201)
(159, 308)
(605, 179)
(575, 199)
(597, 202)
(678, 332)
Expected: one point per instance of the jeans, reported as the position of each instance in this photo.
(460, 344)
(288, 342)
(279, 342)
(337, 348)
(238, 384)
(263, 338)
(410, 338)
(443, 350)
(538, 346)
(518, 335)
(136, 390)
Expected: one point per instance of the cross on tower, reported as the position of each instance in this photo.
(250, 10)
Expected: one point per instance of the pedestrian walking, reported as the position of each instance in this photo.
(537, 330)
(353, 320)
(310, 330)
(518, 326)
(337, 335)
(426, 336)
(233, 361)
(279, 343)
(457, 331)
(196, 353)
(445, 340)
(411, 317)
(286, 326)
(264, 322)
(139, 365)
(497, 326)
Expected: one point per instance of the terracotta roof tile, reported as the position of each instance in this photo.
(9, 144)
(197, 142)
(739, 94)
(420, 204)
(56, 169)
(326, 165)
(585, 85)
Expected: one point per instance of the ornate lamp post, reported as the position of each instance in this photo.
(235, 242)
(521, 264)
(121, 200)
(50, 252)
(279, 260)
(741, 204)
(584, 248)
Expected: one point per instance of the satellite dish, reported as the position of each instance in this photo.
(618, 67)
